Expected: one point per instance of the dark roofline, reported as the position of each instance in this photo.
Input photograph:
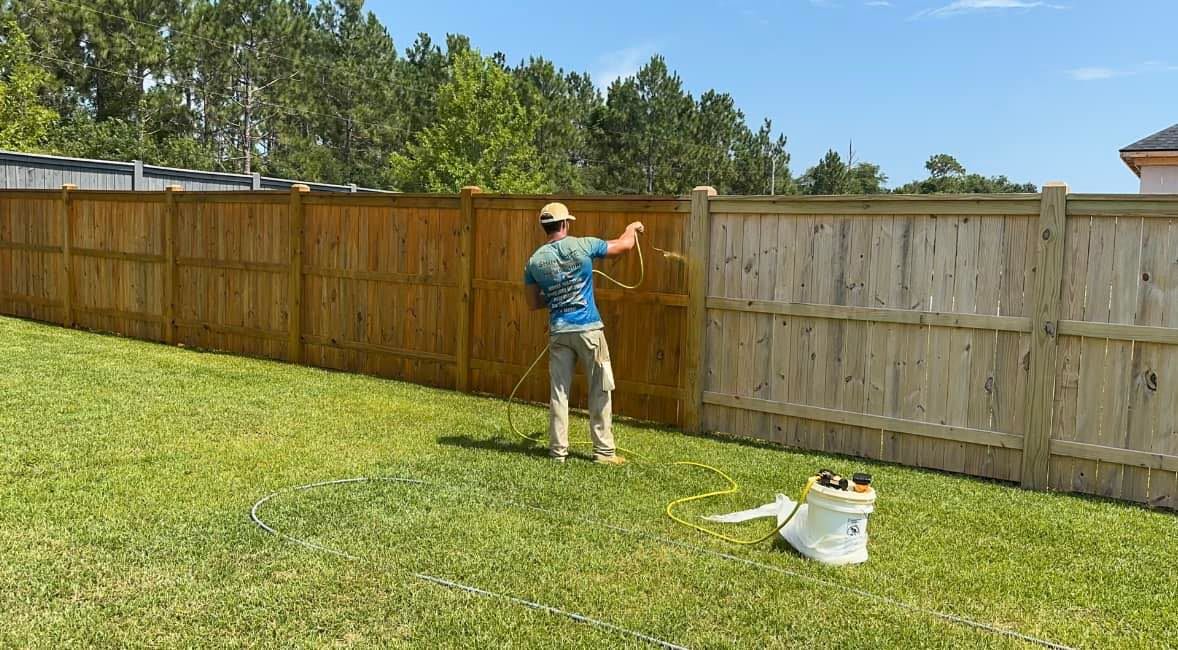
(1164, 140)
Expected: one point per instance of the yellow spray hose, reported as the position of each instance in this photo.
(733, 486)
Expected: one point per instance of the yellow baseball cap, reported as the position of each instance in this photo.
(554, 212)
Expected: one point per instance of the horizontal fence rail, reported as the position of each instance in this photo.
(1028, 338)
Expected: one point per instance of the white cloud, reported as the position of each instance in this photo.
(619, 64)
(958, 7)
(1100, 73)
(878, 3)
(1093, 74)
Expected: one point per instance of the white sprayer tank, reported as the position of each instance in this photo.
(831, 526)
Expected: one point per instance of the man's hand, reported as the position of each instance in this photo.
(626, 241)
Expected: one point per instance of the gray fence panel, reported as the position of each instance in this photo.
(42, 172)
(26, 171)
(159, 178)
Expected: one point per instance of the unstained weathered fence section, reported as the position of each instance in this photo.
(1029, 338)
(890, 328)
(1025, 338)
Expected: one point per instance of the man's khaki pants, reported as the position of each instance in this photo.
(591, 349)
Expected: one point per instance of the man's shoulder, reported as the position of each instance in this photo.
(584, 244)
(542, 256)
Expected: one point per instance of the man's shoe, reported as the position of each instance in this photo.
(609, 460)
(557, 459)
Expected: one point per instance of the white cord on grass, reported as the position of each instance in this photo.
(581, 618)
(548, 609)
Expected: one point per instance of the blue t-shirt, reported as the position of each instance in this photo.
(563, 270)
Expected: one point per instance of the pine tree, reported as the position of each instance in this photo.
(642, 134)
(716, 133)
(564, 105)
(762, 163)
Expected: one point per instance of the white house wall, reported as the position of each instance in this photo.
(1159, 179)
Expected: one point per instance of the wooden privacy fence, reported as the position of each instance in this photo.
(1029, 338)
(425, 288)
(1025, 338)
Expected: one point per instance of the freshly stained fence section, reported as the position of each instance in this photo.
(1029, 338)
(646, 327)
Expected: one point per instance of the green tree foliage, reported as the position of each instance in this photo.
(652, 137)
(351, 131)
(481, 135)
(563, 105)
(834, 176)
(761, 164)
(24, 120)
(866, 178)
(83, 137)
(948, 176)
(830, 176)
(943, 165)
(718, 129)
(316, 89)
(642, 133)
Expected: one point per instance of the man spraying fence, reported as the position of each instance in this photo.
(559, 276)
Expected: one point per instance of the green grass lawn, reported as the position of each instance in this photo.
(127, 471)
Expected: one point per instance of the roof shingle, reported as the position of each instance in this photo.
(1164, 140)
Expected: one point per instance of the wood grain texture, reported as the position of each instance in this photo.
(66, 291)
(465, 262)
(171, 216)
(1044, 329)
(698, 228)
(294, 296)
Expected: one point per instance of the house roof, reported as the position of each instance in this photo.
(1164, 140)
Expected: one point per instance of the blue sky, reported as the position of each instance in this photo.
(1035, 90)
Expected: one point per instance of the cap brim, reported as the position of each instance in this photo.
(556, 219)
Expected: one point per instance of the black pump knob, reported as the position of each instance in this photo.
(861, 479)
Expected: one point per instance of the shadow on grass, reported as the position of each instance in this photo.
(500, 445)
(780, 545)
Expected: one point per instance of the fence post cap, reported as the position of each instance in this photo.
(473, 189)
(705, 188)
(68, 186)
(1055, 184)
(173, 188)
(299, 187)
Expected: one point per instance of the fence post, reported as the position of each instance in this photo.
(465, 286)
(1044, 328)
(698, 230)
(294, 344)
(67, 244)
(171, 219)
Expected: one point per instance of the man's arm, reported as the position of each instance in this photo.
(535, 299)
(625, 241)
